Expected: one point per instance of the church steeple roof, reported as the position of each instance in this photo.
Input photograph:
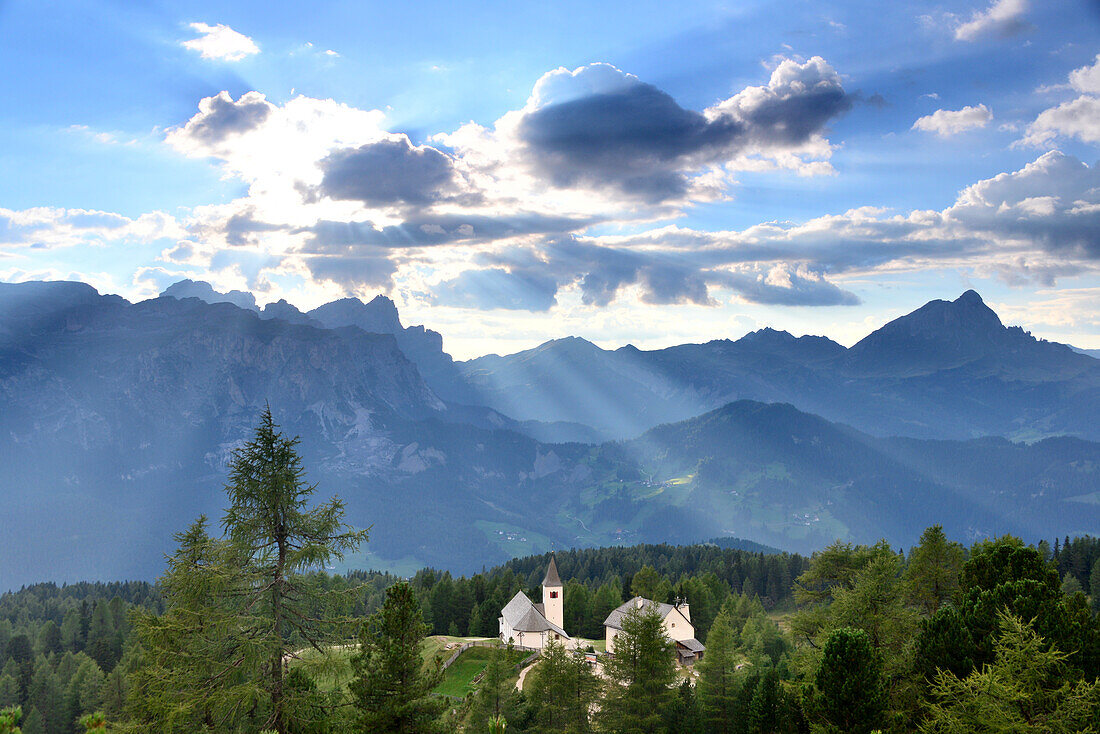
(552, 578)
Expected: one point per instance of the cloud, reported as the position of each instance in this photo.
(389, 172)
(782, 285)
(220, 118)
(1087, 78)
(1002, 18)
(425, 230)
(353, 272)
(51, 227)
(1079, 118)
(946, 123)
(600, 130)
(221, 43)
(493, 288)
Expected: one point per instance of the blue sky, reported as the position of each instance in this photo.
(651, 173)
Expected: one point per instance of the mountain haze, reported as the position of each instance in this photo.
(117, 420)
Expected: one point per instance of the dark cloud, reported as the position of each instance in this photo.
(781, 287)
(354, 271)
(388, 172)
(518, 290)
(221, 117)
(636, 138)
(429, 230)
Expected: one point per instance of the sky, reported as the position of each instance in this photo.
(635, 172)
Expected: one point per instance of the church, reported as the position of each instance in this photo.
(526, 624)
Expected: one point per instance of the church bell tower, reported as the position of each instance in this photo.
(552, 601)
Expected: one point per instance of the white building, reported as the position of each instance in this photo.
(676, 619)
(527, 624)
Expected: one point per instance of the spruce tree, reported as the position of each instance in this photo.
(932, 574)
(717, 672)
(848, 685)
(495, 696)
(639, 675)
(391, 687)
(561, 689)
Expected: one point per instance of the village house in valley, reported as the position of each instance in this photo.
(677, 623)
(527, 624)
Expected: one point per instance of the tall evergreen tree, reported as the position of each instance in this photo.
(495, 696)
(717, 677)
(278, 538)
(390, 685)
(848, 685)
(932, 574)
(1024, 690)
(639, 675)
(561, 690)
(240, 609)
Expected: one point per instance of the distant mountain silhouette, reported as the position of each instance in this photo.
(117, 421)
(950, 369)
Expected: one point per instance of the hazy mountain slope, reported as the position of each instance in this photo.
(117, 420)
(950, 369)
(774, 474)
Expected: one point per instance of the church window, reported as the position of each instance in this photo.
(553, 595)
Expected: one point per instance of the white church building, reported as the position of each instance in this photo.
(527, 624)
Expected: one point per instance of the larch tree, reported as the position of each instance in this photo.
(1025, 689)
(279, 539)
(241, 608)
(932, 573)
(718, 686)
(639, 675)
(390, 686)
(561, 689)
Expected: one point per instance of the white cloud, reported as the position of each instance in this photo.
(946, 123)
(1003, 17)
(1079, 118)
(220, 42)
(52, 227)
(1087, 78)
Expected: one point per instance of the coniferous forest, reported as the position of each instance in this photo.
(245, 632)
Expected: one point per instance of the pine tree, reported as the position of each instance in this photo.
(45, 696)
(639, 675)
(390, 685)
(561, 689)
(717, 672)
(932, 574)
(1094, 586)
(848, 685)
(495, 696)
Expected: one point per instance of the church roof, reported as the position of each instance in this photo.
(615, 619)
(552, 578)
(522, 615)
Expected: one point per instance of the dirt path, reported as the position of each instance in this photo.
(523, 673)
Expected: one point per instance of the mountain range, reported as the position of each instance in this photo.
(117, 420)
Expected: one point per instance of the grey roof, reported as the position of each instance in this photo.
(552, 578)
(692, 644)
(615, 619)
(522, 615)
